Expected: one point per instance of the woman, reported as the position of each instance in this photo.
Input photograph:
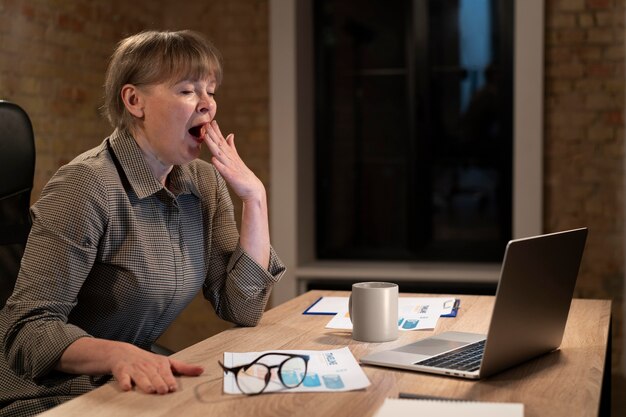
(127, 233)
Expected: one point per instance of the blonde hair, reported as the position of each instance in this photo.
(154, 57)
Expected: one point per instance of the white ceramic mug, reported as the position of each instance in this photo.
(374, 311)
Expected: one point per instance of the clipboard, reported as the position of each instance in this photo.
(314, 309)
(455, 308)
(317, 309)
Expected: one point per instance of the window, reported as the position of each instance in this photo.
(293, 148)
(413, 129)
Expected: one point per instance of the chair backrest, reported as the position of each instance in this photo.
(17, 170)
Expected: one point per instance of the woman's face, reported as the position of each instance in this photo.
(173, 114)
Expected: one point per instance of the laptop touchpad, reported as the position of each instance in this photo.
(430, 346)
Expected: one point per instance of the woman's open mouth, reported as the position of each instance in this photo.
(199, 132)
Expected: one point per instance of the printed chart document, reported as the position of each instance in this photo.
(414, 313)
(400, 407)
(328, 371)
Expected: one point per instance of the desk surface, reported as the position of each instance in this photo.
(563, 383)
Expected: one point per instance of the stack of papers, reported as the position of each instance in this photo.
(414, 313)
(328, 371)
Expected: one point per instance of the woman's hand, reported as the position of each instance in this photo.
(130, 365)
(228, 163)
(151, 373)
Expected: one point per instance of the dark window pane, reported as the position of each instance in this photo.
(413, 129)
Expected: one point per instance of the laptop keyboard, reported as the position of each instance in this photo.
(467, 358)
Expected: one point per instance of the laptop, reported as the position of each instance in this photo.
(531, 306)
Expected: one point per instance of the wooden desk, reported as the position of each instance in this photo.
(567, 382)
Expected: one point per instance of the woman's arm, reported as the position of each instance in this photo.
(129, 364)
(242, 266)
(254, 235)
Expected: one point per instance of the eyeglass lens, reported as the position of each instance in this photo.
(255, 378)
(292, 372)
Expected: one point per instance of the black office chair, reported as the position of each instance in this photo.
(17, 169)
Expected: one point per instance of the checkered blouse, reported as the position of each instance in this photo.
(113, 254)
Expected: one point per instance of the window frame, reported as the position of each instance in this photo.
(292, 166)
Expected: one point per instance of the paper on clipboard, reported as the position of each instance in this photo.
(332, 305)
(327, 306)
(413, 314)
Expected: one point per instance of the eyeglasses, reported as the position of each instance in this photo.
(254, 377)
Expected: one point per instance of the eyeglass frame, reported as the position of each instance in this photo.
(235, 369)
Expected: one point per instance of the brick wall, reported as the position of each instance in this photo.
(584, 140)
(53, 55)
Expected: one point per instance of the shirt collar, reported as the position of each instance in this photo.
(138, 172)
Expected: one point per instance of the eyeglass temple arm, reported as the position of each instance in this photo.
(289, 355)
(224, 367)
